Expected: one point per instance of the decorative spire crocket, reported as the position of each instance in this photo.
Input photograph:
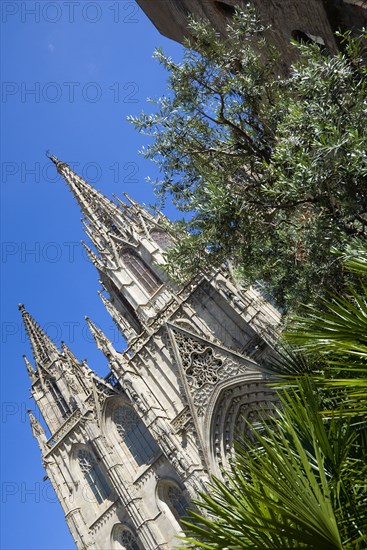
(43, 348)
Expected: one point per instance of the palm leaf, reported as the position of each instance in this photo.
(281, 494)
(304, 484)
(339, 336)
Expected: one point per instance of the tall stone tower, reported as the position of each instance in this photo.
(126, 454)
(314, 20)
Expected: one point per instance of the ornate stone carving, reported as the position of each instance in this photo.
(65, 428)
(236, 407)
(235, 300)
(104, 517)
(70, 381)
(203, 368)
(175, 362)
(182, 421)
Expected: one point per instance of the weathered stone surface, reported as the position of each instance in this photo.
(127, 453)
(316, 19)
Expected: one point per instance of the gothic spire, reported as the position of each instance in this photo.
(106, 221)
(102, 342)
(126, 250)
(68, 353)
(44, 350)
(31, 372)
(117, 363)
(37, 431)
(90, 200)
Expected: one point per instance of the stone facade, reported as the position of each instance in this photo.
(315, 19)
(126, 454)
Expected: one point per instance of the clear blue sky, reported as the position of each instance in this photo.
(89, 65)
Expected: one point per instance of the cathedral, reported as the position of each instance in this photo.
(126, 454)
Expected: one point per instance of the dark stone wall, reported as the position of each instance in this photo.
(317, 19)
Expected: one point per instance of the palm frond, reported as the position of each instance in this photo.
(282, 494)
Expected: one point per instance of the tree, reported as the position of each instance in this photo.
(269, 170)
(305, 483)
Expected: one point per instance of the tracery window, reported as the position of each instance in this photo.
(177, 502)
(128, 540)
(57, 397)
(141, 272)
(135, 434)
(203, 368)
(93, 475)
(162, 239)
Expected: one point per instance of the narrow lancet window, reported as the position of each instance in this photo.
(135, 435)
(143, 274)
(57, 398)
(93, 475)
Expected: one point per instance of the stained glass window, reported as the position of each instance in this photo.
(177, 502)
(135, 434)
(141, 272)
(93, 475)
(128, 540)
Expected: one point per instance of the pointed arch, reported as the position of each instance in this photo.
(173, 499)
(93, 475)
(234, 403)
(124, 538)
(135, 435)
(141, 272)
(57, 398)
